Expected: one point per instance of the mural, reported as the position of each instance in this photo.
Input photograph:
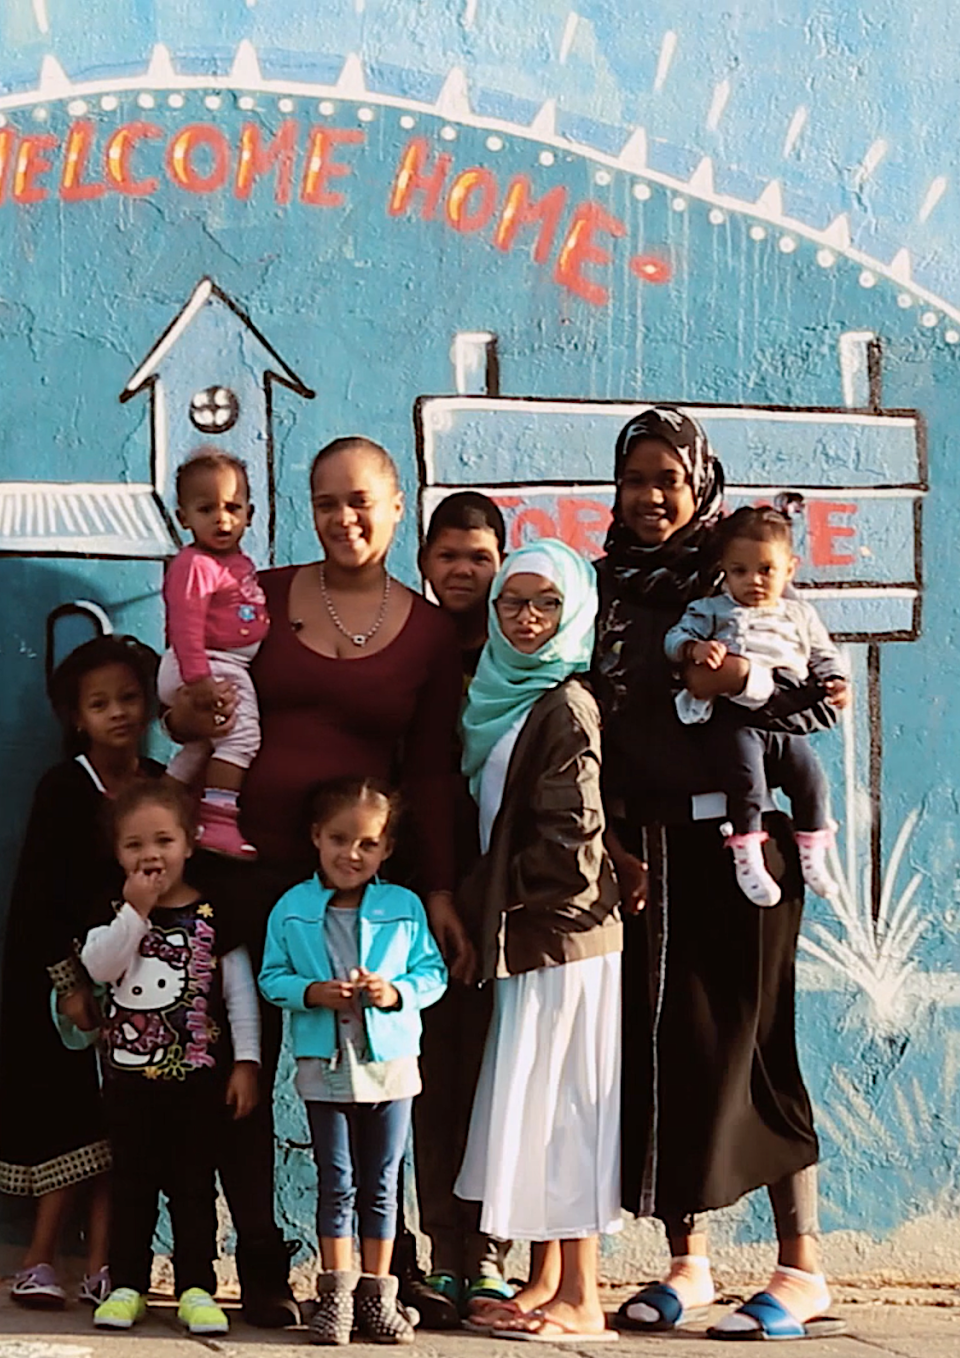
(484, 238)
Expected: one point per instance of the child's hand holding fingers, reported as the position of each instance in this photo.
(204, 693)
(243, 1088)
(838, 692)
(380, 993)
(709, 653)
(143, 888)
(329, 994)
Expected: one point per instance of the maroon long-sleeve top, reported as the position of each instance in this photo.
(394, 711)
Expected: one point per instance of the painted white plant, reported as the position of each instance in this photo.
(875, 954)
(874, 950)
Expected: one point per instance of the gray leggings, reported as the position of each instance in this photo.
(794, 1202)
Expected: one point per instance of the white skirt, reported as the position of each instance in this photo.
(543, 1152)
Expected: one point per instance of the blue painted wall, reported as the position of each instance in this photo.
(663, 276)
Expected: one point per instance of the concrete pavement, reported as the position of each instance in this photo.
(901, 1322)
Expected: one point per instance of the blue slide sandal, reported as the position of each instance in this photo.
(662, 1298)
(774, 1321)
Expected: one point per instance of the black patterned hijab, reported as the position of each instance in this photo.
(680, 569)
(635, 578)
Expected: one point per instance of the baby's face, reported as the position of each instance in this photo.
(757, 573)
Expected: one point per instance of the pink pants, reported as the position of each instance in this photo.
(242, 742)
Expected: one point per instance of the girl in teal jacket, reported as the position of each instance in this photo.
(353, 960)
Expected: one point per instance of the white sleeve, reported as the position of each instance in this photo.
(110, 948)
(240, 998)
(825, 659)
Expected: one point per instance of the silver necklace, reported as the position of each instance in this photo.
(358, 638)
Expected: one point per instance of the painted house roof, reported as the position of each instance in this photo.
(49, 518)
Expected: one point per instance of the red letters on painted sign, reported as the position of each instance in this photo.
(580, 238)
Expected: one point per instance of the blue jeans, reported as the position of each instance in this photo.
(358, 1148)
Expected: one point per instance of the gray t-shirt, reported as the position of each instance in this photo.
(350, 1076)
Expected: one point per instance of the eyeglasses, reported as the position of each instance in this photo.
(541, 605)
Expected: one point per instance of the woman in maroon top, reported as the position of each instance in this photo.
(358, 675)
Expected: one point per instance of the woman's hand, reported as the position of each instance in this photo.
(81, 1008)
(380, 992)
(728, 678)
(201, 712)
(631, 874)
(329, 994)
(243, 1088)
(838, 693)
(447, 928)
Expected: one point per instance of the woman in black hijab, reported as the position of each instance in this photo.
(714, 1103)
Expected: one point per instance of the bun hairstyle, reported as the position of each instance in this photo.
(153, 792)
(762, 523)
(358, 443)
(339, 794)
(63, 686)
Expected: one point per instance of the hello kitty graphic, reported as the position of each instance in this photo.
(137, 1035)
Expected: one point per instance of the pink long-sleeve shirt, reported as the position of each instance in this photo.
(214, 603)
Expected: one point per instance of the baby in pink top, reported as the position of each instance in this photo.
(216, 620)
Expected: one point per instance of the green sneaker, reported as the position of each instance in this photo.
(200, 1313)
(121, 1310)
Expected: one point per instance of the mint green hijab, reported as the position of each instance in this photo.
(507, 682)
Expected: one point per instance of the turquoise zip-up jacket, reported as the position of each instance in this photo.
(395, 942)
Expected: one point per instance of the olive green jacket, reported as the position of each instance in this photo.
(545, 890)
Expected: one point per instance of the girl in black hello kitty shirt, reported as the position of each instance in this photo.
(176, 983)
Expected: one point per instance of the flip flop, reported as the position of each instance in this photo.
(663, 1299)
(560, 1333)
(774, 1321)
(482, 1322)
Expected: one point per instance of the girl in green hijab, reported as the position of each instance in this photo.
(543, 1149)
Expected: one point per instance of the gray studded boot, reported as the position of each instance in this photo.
(332, 1321)
(380, 1317)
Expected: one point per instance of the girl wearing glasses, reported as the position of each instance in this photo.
(543, 1148)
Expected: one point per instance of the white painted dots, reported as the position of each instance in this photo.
(145, 99)
(642, 192)
(904, 300)
(786, 245)
(175, 100)
(247, 102)
(407, 122)
(448, 133)
(603, 178)
(826, 258)
(494, 143)
(546, 157)
(326, 107)
(213, 101)
(679, 204)
(928, 319)
(758, 233)
(366, 115)
(41, 113)
(285, 105)
(716, 217)
(952, 336)
(109, 102)
(868, 279)
(77, 108)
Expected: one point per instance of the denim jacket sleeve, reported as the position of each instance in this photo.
(425, 979)
(280, 982)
